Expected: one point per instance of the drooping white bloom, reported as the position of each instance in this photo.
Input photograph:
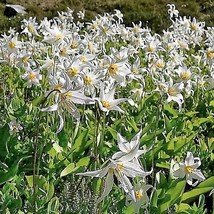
(142, 199)
(121, 170)
(65, 99)
(188, 169)
(107, 102)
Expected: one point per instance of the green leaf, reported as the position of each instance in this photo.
(207, 183)
(212, 103)
(168, 125)
(29, 180)
(83, 161)
(175, 192)
(172, 111)
(67, 170)
(53, 206)
(129, 209)
(12, 171)
(113, 133)
(50, 191)
(188, 196)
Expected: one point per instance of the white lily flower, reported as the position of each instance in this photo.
(142, 199)
(188, 169)
(66, 100)
(174, 93)
(122, 170)
(129, 151)
(107, 102)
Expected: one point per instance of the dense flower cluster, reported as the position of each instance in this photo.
(88, 63)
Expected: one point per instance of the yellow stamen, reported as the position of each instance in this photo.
(12, 45)
(120, 166)
(73, 45)
(58, 87)
(210, 54)
(113, 68)
(66, 95)
(32, 76)
(150, 49)
(188, 169)
(110, 170)
(59, 36)
(87, 80)
(172, 91)
(106, 104)
(138, 195)
(63, 51)
(73, 72)
(30, 28)
(25, 59)
(185, 75)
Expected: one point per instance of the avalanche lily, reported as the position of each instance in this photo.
(188, 169)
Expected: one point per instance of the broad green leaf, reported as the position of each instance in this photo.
(53, 206)
(175, 192)
(168, 125)
(129, 209)
(172, 111)
(182, 207)
(212, 103)
(188, 196)
(67, 170)
(29, 179)
(83, 161)
(207, 183)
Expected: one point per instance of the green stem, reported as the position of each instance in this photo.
(159, 106)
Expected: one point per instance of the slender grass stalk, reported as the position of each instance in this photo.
(159, 107)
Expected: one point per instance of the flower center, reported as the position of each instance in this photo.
(185, 75)
(120, 166)
(66, 95)
(188, 169)
(172, 91)
(24, 59)
(87, 80)
(73, 45)
(12, 45)
(113, 69)
(150, 49)
(63, 51)
(30, 28)
(106, 104)
(110, 170)
(58, 87)
(32, 76)
(59, 36)
(210, 54)
(73, 72)
(160, 65)
(138, 195)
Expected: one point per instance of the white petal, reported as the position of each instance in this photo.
(54, 107)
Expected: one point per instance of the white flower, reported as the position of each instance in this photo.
(172, 11)
(107, 102)
(141, 196)
(15, 127)
(174, 93)
(188, 169)
(121, 170)
(129, 151)
(33, 77)
(65, 99)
